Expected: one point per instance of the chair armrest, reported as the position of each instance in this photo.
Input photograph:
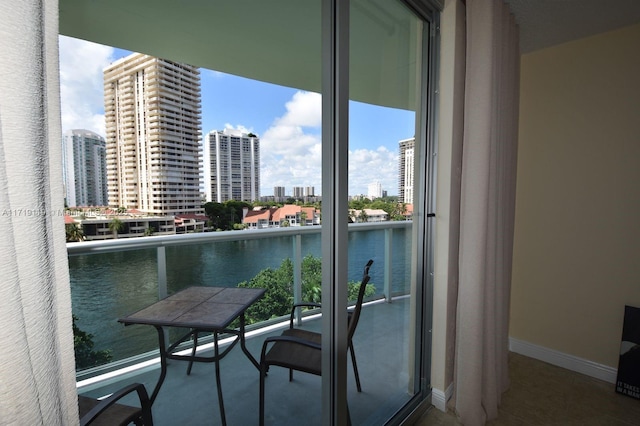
(145, 404)
(300, 305)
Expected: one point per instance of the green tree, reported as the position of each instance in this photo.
(83, 344)
(364, 217)
(215, 212)
(149, 231)
(116, 226)
(224, 216)
(399, 211)
(73, 232)
(278, 283)
(278, 297)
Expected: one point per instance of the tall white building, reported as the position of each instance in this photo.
(152, 117)
(298, 192)
(231, 166)
(278, 191)
(84, 168)
(406, 170)
(374, 190)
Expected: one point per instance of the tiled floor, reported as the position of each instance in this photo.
(543, 394)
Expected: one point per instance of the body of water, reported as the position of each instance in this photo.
(107, 286)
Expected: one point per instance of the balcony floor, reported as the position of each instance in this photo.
(381, 350)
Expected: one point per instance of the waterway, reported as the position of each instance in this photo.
(107, 286)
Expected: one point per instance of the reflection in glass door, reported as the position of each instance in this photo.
(388, 185)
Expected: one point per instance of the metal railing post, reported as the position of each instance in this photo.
(388, 239)
(162, 280)
(297, 274)
(162, 272)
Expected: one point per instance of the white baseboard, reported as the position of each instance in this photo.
(439, 398)
(560, 359)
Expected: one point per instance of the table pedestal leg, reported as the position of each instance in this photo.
(163, 364)
(218, 383)
(243, 344)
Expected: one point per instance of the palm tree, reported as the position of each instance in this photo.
(115, 226)
(74, 232)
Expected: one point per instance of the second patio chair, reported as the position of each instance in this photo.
(298, 349)
(109, 412)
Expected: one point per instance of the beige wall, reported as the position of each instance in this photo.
(577, 236)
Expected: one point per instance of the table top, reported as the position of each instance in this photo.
(205, 308)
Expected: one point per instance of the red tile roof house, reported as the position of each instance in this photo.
(258, 219)
(276, 217)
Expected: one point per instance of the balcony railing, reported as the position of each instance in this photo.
(160, 243)
(390, 280)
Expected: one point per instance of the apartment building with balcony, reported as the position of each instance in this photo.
(84, 168)
(231, 166)
(152, 119)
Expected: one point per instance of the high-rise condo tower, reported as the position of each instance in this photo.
(84, 168)
(153, 116)
(231, 166)
(405, 171)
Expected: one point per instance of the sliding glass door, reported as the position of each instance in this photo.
(377, 123)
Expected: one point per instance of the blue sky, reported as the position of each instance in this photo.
(287, 120)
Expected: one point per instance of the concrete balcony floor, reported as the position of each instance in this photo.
(381, 347)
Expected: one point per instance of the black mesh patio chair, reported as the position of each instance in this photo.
(298, 349)
(108, 412)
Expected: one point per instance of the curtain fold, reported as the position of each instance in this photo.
(487, 210)
(37, 373)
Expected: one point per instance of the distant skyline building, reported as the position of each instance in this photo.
(231, 166)
(298, 192)
(84, 168)
(310, 191)
(405, 171)
(374, 190)
(153, 120)
(278, 191)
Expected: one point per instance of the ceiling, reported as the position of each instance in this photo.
(544, 23)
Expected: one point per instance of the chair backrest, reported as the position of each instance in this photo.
(355, 314)
(366, 268)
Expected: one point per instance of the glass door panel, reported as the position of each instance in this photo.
(385, 145)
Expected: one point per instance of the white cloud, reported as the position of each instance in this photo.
(290, 149)
(81, 83)
(369, 166)
(291, 153)
(240, 127)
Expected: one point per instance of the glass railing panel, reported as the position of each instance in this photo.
(107, 285)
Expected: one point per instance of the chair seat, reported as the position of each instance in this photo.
(296, 356)
(117, 414)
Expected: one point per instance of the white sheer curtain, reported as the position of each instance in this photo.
(37, 376)
(487, 210)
